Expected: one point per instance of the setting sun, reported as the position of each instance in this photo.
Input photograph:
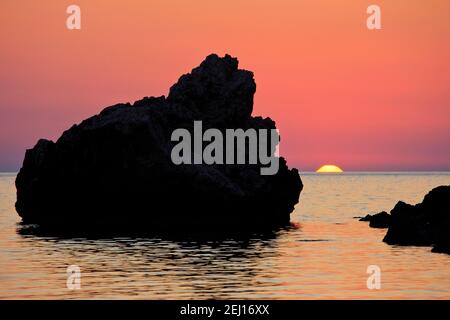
(329, 168)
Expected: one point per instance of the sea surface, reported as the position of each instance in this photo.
(325, 255)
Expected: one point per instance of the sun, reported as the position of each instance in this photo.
(329, 168)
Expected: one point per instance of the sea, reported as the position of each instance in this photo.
(326, 253)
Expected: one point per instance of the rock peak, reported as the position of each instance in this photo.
(216, 88)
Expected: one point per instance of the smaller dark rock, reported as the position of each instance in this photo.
(424, 224)
(379, 220)
(410, 226)
(366, 218)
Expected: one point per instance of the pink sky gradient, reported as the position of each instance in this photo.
(340, 94)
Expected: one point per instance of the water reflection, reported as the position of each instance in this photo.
(324, 257)
(200, 265)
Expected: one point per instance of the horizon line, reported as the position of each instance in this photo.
(334, 173)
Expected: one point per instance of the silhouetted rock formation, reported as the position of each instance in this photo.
(424, 224)
(115, 170)
(379, 220)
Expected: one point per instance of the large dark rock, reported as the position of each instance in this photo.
(115, 170)
(423, 224)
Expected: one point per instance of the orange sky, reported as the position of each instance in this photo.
(341, 94)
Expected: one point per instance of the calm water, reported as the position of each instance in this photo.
(325, 257)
